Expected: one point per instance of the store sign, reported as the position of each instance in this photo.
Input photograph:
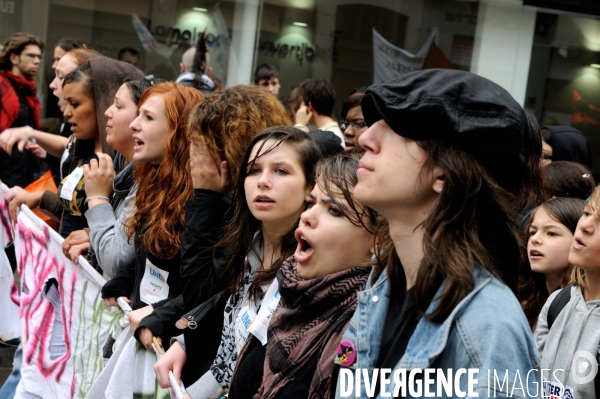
(174, 35)
(7, 7)
(297, 51)
(165, 40)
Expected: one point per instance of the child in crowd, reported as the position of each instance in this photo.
(549, 239)
(568, 330)
(161, 154)
(318, 287)
(442, 164)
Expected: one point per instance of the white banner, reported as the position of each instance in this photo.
(64, 324)
(9, 310)
(390, 62)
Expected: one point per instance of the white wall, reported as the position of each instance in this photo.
(503, 41)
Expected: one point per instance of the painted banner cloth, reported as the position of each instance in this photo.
(9, 311)
(65, 326)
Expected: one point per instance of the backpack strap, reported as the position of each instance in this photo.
(558, 304)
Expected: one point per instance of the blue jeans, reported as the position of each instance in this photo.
(10, 385)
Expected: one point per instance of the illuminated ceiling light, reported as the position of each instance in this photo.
(302, 24)
(200, 9)
(595, 66)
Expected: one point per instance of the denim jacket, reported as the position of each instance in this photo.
(487, 331)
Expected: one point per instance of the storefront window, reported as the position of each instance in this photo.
(333, 40)
(303, 39)
(564, 76)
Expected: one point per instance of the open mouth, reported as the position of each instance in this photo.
(304, 250)
(577, 243)
(535, 254)
(73, 126)
(304, 245)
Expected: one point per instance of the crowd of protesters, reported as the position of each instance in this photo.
(433, 225)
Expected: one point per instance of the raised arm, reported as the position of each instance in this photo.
(52, 143)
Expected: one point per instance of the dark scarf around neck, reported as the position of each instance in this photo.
(311, 318)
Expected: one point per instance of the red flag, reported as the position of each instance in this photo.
(436, 59)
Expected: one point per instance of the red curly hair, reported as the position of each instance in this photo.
(162, 191)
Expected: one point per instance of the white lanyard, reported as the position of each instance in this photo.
(260, 324)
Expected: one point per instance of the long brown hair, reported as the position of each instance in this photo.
(532, 289)
(229, 119)
(471, 222)
(240, 230)
(163, 190)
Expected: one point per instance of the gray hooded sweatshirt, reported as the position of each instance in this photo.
(569, 349)
(108, 234)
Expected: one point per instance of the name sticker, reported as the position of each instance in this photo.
(154, 287)
(242, 323)
(66, 192)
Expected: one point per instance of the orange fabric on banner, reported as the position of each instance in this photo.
(45, 182)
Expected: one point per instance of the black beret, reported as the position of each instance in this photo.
(331, 143)
(459, 108)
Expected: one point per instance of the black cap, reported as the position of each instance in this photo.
(331, 143)
(459, 108)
